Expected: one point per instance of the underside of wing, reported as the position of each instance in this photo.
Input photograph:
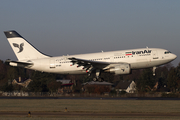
(112, 67)
(83, 61)
(88, 65)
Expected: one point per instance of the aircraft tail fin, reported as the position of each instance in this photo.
(22, 48)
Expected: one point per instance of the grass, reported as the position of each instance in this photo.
(75, 105)
(85, 105)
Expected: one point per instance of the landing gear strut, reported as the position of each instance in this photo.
(154, 71)
(97, 78)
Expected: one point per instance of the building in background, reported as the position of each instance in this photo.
(66, 86)
(126, 85)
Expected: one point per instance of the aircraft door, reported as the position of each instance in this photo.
(155, 56)
(52, 63)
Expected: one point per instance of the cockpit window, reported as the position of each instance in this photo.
(167, 52)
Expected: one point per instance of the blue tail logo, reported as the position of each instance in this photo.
(19, 46)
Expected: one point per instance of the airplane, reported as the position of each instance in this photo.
(117, 62)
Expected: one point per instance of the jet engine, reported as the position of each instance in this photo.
(121, 69)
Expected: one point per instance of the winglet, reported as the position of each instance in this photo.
(12, 34)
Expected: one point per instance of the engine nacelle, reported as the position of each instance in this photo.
(121, 69)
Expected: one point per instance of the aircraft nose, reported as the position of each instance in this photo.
(174, 56)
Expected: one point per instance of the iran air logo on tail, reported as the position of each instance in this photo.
(19, 46)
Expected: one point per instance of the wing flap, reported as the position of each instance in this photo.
(90, 65)
(83, 61)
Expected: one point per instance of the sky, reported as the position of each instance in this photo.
(61, 27)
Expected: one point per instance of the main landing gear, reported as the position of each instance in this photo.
(97, 78)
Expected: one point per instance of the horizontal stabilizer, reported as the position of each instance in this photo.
(19, 64)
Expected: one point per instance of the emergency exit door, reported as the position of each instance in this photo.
(52, 63)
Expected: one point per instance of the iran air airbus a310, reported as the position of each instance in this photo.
(118, 62)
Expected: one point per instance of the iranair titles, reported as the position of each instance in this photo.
(147, 52)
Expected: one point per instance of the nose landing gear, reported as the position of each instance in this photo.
(154, 71)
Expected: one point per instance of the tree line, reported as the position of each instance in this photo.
(167, 77)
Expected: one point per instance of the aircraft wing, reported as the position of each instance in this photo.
(91, 65)
(88, 65)
(83, 61)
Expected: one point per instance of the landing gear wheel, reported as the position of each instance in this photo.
(94, 79)
(100, 79)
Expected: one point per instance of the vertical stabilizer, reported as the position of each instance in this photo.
(22, 48)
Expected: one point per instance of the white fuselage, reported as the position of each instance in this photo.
(137, 58)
